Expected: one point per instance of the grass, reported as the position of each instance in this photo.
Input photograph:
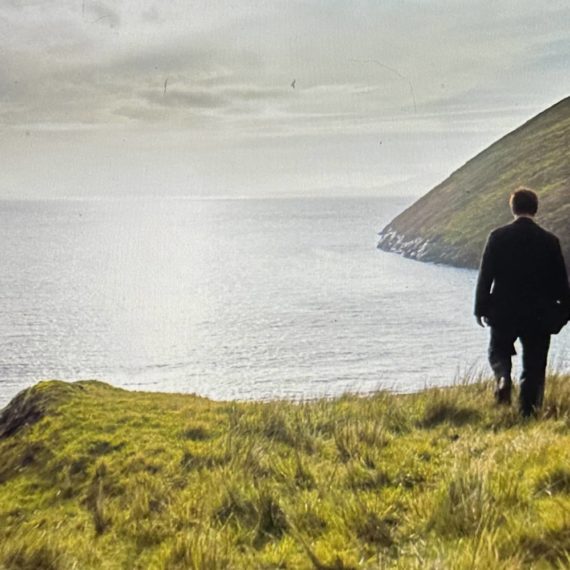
(93, 477)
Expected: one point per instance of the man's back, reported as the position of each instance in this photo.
(524, 264)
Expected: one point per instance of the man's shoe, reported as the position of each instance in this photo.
(503, 391)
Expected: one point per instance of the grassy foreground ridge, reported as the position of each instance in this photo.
(94, 477)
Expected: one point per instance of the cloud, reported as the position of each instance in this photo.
(215, 97)
(94, 62)
(151, 15)
(102, 13)
(186, 99)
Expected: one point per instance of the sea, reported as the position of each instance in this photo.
(233, 299)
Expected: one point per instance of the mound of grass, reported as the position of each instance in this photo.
(95, 477)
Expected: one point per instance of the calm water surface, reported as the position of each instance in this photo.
(231, 299)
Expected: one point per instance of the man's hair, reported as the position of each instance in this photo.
(524, 201)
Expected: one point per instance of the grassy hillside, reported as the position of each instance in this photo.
(93, 477)
(450, 224)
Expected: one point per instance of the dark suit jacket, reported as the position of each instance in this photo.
(522, 274)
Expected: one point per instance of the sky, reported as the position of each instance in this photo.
(266, 98)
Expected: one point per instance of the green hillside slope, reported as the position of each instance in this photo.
(450, 224)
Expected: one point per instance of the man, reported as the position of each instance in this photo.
(522, 293)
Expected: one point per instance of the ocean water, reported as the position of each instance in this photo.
(230, 299)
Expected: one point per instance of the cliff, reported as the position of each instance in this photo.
(451, 223)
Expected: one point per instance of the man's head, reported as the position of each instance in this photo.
(524, 202)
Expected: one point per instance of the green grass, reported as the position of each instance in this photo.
(93, 477)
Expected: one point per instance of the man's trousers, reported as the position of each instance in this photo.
(534, 359)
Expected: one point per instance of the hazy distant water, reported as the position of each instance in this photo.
(227, 298)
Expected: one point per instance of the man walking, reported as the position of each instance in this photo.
(522, 293)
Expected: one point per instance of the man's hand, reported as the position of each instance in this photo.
(482, 321)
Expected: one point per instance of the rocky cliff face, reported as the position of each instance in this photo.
(450, 224)
(422, 249)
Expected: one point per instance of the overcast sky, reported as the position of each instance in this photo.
(196, 98)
